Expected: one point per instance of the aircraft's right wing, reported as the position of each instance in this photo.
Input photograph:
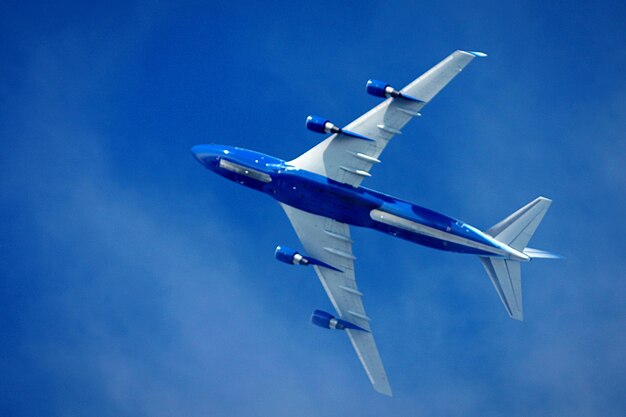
(329, 241)
(348, 159)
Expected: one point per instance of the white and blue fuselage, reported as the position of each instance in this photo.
(360, 206)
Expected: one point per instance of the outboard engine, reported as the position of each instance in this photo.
(382, 89)
(328, 321)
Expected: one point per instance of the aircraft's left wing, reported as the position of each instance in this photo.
(348, 157)
(329, 241)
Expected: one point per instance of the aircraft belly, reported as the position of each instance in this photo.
(338, 203)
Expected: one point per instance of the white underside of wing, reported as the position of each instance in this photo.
(349, 160)
(329, 241)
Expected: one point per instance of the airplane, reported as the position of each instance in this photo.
(321, 193)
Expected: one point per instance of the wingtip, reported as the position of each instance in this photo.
(384, 389)
(477, 54)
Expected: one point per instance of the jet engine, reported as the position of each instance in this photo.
(328, 321)
(321, 125)
(382, 89)
(293, 257)
(290, 256)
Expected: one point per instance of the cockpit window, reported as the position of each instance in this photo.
(248, 172)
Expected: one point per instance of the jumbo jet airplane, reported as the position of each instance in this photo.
(321, 194)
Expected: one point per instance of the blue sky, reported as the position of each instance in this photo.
(133, 282)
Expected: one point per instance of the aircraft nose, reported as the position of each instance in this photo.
(204, 153)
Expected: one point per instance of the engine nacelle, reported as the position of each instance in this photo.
(289, 256)
(321, 125)
(382, 89)
(328, 321)
(293, 257)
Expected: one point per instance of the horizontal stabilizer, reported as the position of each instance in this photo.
(517, 229)
(506, 278)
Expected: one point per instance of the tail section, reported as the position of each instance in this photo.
(541, 254)
(507, 280)
(515, 231)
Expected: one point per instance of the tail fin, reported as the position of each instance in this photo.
(515, 231)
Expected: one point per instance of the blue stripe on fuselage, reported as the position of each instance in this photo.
(319, 195)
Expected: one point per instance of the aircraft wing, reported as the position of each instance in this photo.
(348, 159)
(329, 241)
